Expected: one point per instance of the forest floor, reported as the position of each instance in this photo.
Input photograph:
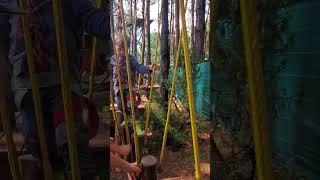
(179, 160)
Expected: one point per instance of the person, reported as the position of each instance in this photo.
(78, 16)
(121, 66)
(117, 162)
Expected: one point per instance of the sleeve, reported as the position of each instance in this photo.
(94, 20)
(140, 68)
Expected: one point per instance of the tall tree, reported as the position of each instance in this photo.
(177, 24)
(192, 27)
(165, 51)
(148, 46)
(134, 31)
(143, 32)
(199, 29)
(171, 25)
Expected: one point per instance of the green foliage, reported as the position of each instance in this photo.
(177, 133)
(230, 81)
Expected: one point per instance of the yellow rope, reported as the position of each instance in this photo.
(12, 154)
(93, 59)
(36, 98)
(190, 93)
(256, 90)
(126, 121)
(146, 129)
(62, 52)
(135, 135)
(165, 134)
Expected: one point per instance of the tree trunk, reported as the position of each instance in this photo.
(192, 46)
(148, 46)
(199, 30)
(131, 28)
(143, 32)
(171, 27)
(177, 24)
(134, 26)
(165, 52)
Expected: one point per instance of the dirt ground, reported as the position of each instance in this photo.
(179, 163)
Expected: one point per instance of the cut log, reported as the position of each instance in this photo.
(149, 168)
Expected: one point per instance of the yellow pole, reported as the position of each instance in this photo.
(190, 93)
(256, 90)
(126, 121)
(146, 129)
(165, 134)
(135, 135)
(5, 119)
(36, 99)
(66, 94)
(93, 59)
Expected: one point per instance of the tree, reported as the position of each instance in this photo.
(165, 51)
(148, 46)
(192, 28)
(199, 30)
(177, 24)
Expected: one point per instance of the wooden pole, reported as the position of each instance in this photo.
(149, 168)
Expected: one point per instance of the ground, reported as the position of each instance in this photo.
(179, 163)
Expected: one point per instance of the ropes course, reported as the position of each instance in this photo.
(255, 81)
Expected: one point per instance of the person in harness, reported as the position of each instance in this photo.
(79, 16)
(135, 67)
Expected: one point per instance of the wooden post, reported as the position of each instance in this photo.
(149, 168)
(29, 168)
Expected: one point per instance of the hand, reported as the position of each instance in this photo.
(134, 168)
(125, 150)
(153, 67)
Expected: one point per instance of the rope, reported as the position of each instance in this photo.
(165, 134)
(190, 93)
(120, 86)
(35, 94)
(93, 58)
(7, 132)
(146, 129)
(164, 141)
(135, 135)
(62, 52)
(256, 90)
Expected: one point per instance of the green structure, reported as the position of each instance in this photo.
(201, 85)
(295, 130)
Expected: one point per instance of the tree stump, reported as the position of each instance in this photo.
(29, 167)
(149, 168)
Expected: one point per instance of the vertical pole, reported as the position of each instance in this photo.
(256, 90)
(36, 99)
(66, 94)
(190, 93)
